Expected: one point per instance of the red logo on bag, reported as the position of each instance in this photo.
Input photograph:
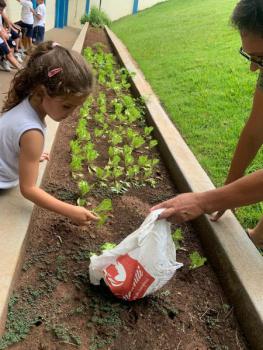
(127, 278)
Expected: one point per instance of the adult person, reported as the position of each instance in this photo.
(239, 190)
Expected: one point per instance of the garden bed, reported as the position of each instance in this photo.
(54, 300)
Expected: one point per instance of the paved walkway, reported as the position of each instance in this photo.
(65, 37)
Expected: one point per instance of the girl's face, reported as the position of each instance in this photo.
(61, 107)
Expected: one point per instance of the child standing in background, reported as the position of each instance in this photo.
(39, 22)
(26, 22)
(55, 82)
(6, 53)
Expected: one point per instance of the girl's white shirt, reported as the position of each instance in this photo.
(26, 14)
(13, 124)
(40, 10)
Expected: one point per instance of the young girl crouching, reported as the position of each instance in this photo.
(55, 82)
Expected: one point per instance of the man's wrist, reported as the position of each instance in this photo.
(207, 201)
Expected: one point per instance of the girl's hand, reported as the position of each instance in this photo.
(82, 216)
(183, 207)
(44, 156)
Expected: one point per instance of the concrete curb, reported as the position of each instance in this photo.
(15, 216)
(238, 263)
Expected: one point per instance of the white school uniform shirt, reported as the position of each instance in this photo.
(13, 124)
(40, 10)
(26, 14)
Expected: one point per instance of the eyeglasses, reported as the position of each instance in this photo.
(256, 60)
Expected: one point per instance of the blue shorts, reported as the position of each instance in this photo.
(14, 34)
(11, 43)
(38, 34)
(4, 49)
(27, 29)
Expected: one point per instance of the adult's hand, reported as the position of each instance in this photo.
(184, 207)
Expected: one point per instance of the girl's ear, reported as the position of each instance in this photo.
(40, 92)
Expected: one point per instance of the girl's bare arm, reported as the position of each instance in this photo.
(31, 145)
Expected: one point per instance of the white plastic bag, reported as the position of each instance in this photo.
(141, 264)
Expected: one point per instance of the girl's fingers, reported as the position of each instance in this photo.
(44, 156)
(91, 216)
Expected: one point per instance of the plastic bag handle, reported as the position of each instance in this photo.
(148, 222)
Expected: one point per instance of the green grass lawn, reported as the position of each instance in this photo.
(189, 53)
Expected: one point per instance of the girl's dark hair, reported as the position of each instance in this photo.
(248, 16)
(73, 74)
(2, 4)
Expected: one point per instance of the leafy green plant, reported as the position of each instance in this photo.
(75, 147)
(107, 246)
(91, 153)
(76, 163)
(102, 210)
(96, 18)
(177, 237)
(137, 141)
(84, 188)
(196, 260)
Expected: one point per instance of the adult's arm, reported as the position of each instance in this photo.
(188, 206)
(250, 140)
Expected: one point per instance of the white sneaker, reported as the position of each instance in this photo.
(22, 53)
(18, 57)
(5, 65)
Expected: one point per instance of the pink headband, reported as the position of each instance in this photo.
(54, 71)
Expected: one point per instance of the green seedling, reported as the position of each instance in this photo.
(117, 172)
(113, 151)
(148, 130)
(127, 150)
(98, 132)
(128, 160)
(153, 143)
(75, 147)
(107, 246)
(132, 171)
(92, 254)
(177, 237)
(84, 188)
(102, 210)
(116, 139)
(76, 163)
(196, 260)
(144, 162)
(91, 153)
(81, 130)
(137, 141)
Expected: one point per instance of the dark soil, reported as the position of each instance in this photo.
(54, 294)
